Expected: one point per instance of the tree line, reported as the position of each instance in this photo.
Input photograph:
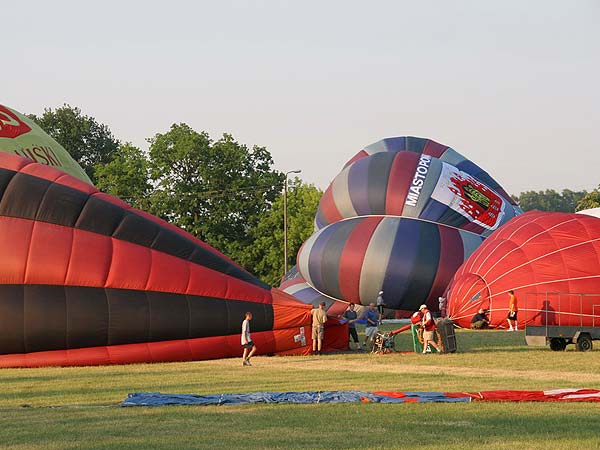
(221, 191)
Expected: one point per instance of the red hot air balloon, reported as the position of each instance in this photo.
(85, 280)
(550, 260)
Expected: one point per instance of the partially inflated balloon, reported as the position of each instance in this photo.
(401, 217)
(86, 279)
(410, 260)
(550, 260)
(22, 136)
(415, 177)
(297, 286)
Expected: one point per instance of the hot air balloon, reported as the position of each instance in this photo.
(297, 286)
(85, 280)
(410, 260)
(550, 260)
(22, 136)
(401, 217)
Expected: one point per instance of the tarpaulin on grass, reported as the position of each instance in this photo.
(158, 399)
(557, 395)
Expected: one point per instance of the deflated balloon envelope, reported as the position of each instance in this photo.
(22, 136)
(550, 260)
(86, 279)
(401, 217)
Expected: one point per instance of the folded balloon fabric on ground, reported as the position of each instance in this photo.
(85, 279)
(312, 397)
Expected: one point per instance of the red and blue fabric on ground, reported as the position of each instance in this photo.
(558, 395)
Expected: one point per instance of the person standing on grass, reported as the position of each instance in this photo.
(249, 347)
(380, 305)
(513, 309)
(351, 316)
(372, 319)
(319, 317)
(428, 329)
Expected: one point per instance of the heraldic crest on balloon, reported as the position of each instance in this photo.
(402, 216)
(85, 279)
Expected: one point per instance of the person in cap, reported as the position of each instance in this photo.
(319, 317)
(428, 329)
(380, 303)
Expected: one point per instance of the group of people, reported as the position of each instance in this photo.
(373, 316)
(481, 320)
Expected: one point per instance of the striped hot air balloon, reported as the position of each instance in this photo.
(410, 260)
(22, 136)
(401, 217)
(85, 279)
(550, 260)
(297, 286)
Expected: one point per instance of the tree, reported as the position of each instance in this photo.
(126, 176)
(87, 141)
(550, 200)
(591, 200)
(265, 256)
(215, 190)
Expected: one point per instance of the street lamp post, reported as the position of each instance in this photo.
(285, 239)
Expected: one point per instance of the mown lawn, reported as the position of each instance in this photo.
(77, 408)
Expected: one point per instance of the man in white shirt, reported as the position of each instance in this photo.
(247, 340)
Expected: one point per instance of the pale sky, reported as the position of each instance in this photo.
(512, 85)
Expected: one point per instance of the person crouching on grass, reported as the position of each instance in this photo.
(247, 340)
(428, 329)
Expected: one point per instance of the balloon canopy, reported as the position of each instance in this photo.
(401, 217)
(85, 279)
(550, 260)
(22, 136)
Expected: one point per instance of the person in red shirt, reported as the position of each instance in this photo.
(428, 329)
(513, 309)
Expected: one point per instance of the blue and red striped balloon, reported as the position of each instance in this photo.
(401, 217)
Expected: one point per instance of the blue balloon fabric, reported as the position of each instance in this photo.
(311, 397)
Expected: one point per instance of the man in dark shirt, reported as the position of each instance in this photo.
(480, 320)
(351, 316)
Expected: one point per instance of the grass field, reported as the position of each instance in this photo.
(77, 408)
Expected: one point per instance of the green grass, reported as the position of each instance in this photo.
(77, 408)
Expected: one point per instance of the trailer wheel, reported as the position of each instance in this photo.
(584, 342)
(558, 344)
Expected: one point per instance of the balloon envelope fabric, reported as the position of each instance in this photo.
(22, 136)
(85, 279)
(550, 260)
(410, 260)
(401, 217)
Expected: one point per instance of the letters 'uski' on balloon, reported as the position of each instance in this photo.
(22, 136)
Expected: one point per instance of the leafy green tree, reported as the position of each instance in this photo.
(591, 200)
(217, 191)
(87, 141)
(126, 176)
(265, 256)
(550, 200)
